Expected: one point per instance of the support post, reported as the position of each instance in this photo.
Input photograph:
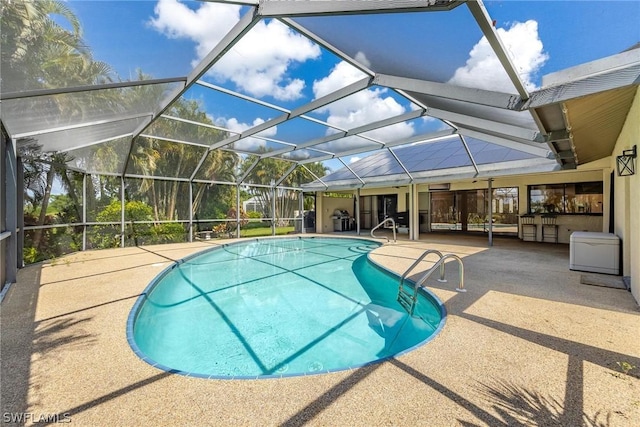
(273, 208)
(358, 211)
(414, 214)
(490, 182)
(190, 228)
(20, 211)
(122, 207)
(301, 211)
(11, 173)
(238, 211)
(84, 211)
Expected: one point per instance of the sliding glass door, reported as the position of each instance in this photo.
(468, 211)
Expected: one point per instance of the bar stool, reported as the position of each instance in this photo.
(529, 228)
(549, 228)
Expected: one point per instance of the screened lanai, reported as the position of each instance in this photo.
(152, 121)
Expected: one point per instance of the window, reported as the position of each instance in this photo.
(578, 198)
(505, 209)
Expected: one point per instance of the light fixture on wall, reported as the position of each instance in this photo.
(625, 163)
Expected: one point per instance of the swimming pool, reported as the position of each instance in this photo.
(277, 307)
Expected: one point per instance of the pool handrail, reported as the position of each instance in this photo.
(423, 256)
(439, 263)
(393, 226)
(408, 301)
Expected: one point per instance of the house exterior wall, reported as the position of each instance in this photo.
(627, 199)
(567, 224)
(324, 212)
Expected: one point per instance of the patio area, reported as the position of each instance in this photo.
(527, 344)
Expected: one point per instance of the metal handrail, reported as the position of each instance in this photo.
(439, 263)
(409, 301)
(393, 224)
(427, 252)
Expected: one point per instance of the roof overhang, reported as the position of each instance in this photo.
(583, 108)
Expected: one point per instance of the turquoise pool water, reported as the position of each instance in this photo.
(277, 307)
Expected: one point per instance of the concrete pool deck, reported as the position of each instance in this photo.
(527, 344)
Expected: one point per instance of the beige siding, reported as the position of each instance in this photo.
(627, 200)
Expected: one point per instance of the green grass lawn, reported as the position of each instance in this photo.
(264, 231)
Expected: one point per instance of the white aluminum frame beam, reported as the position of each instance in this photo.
(480, 14)
(88, 88)
(241, 96)
(178, 141)
(351, 170)
(539, 150)
(156, 178)
(287, 173)
(423, 138)
(466, 147)
(333, 96)
(281, 8)
(81, 125)
(462, 120)
(609, 65)
(238, 2)
(358, 151)
(314, 37)
(406, 171)
(248, 171)
(443, 90)
(260, 102)
(327, 99)
(315, 176)
(193, 122)
(89, 144)
(243, 26)
(410, 115)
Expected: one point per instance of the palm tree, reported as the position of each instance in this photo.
(37, 52)
(270, 169)
(161, 158)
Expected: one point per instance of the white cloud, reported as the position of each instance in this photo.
(211, 21)
(362, 59)
(249, 143)
(354, 159)
(258, 64)
(343, 74)
(363, 107)
(483, 69)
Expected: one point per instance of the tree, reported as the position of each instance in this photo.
(38, 52)
(161, 158)
(29, 39)
(270, 170)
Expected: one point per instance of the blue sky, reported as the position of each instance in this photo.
(572, 32)
(166, 38)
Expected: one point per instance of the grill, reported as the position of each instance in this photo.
(341, 220)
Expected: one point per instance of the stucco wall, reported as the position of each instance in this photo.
(324, 222)
(567, 224)
(627, 199)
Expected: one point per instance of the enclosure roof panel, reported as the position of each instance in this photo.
(319, 83)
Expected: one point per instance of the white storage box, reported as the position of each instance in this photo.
(596, 252)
